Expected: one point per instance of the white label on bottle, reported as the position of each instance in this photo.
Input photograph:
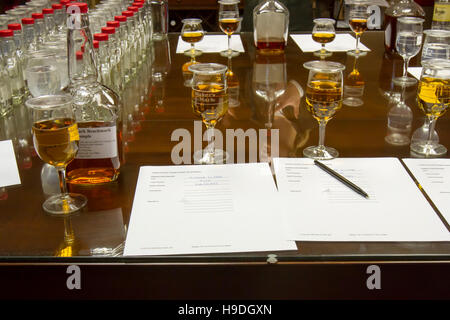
(97, 143)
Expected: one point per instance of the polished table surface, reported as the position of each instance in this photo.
(27, 233)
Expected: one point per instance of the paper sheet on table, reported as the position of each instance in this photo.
(213, 43)
(342, 43)
(206, 209)
(321, 208)
(9, 173)
(415, 71)
(434, 177)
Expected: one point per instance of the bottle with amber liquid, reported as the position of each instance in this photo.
(271, 26)
(397, 9)
(97, 109)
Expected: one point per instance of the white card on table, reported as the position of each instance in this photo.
(342, 43)
(213, 43)
(9, 173)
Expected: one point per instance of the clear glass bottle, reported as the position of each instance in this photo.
(102, 59)
(39, 28)
(271, 26)
(5, 90)
(396, 9)
(113, 54)
(97, 109)
(18, 39)
(29, 35)
(49, 21)
(12, 66)
(132, 41)
(123, 35)
(59, 15)
(160, 19)
(441, 15)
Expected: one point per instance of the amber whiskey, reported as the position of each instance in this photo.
(192, 37)
(358, 26)
(229, 25)
(323, 37)
(323, 99)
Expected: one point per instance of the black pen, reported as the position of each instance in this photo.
(341, 179)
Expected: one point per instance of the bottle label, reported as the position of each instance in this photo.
(97, 143)
(441, 12)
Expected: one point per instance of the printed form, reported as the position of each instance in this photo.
(198, 209)
(434, 177)
(321, 208)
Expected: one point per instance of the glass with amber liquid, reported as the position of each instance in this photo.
(433, 97)
(323, 100)
(192, 32)
(359, 13)
(354, 87)
(210, 102)
(55, 137)
(323, 32)
(229, 21)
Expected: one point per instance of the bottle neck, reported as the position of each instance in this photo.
(28, 37)
(18, 39)
(59, 19)
(50, 23)
(78, 33)
(8, 47)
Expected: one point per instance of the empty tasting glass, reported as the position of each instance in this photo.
(323, 32)
(433, 98)
(229, 21)
(55, 137)
(323, 99)
(210, 101)
(358, 23)
(192, 32)
(408, 44)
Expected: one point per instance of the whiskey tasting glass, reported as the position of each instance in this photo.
(358, 23)
(323, 32)
(323, 100)
(408, 44)
(229, 21)
(210, 101)
(436, 45)
(433, 97)
(192, 32)
(55, 137)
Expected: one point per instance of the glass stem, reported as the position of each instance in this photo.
(62, 180)
(405, 67)
(229, 43)
(211, 138)
(357, 43)
(193, 49)
(323, 48)
(322, 125)
(431, 126)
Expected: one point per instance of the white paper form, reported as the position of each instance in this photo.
(205, 209)
(321, 208)
(342, 43)
(213, 43)
(9, 173)
(434, 177)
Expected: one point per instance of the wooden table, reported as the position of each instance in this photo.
(30, 240)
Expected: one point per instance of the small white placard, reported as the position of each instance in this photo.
(415, 71)
(342, 43)
(9, 173)
(213, 43)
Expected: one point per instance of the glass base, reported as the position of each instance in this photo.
(219, 156)
(353, 102)
(229, 53)
(428, 150)
(193, 53)
(397, 139)
(322, 53)
(404, 81)
(64, 204)
(325, 153)
(356, 53)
